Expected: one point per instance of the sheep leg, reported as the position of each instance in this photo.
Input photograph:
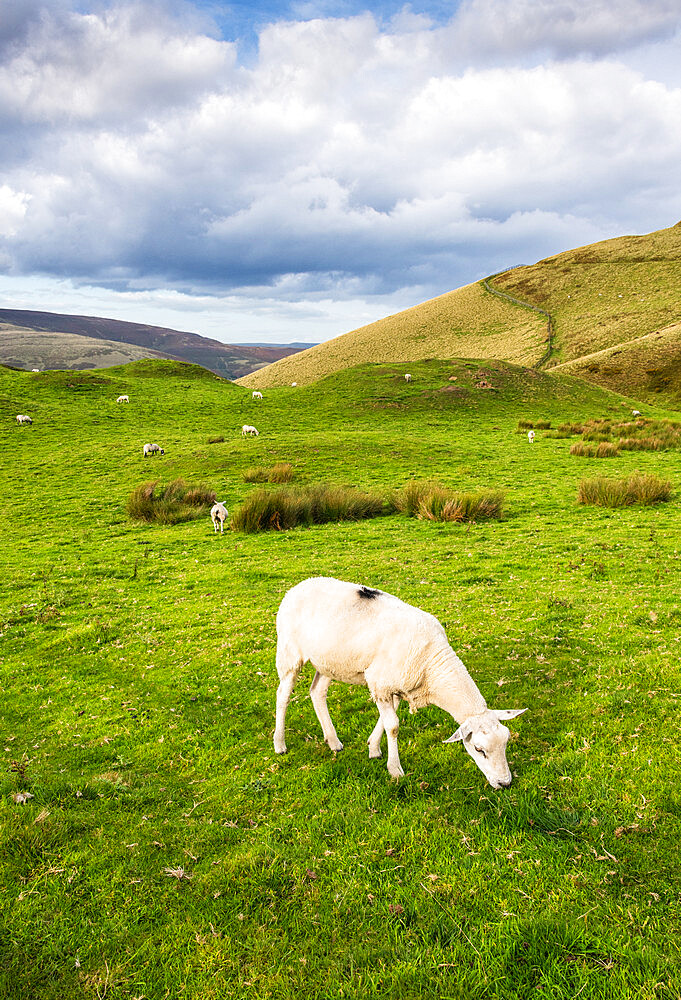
(391, 724)
(288, 668)
(318, 691)
(374, 740)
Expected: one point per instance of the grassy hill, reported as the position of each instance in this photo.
(21, 347)
(166, 851)
(598, 297)
(56, 348)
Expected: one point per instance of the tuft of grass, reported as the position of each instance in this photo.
(537, 425)
(174, 503)
(639, 488)
(433, 502)
(606, 449)
(280, 472)
(290, 507)
(216, 440)
(584, 450)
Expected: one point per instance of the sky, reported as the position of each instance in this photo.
(288, 171)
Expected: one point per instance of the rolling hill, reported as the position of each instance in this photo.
(56, 348)
(611, 294)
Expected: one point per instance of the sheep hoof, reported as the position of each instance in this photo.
(335, 745)
(396, 772)
(374, 752)
(281, 749)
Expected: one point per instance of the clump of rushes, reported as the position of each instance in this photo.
(638, 488)
(289, 507)
(281, 472)
(432, 502)
(171, 504)
(606, 449)
(537, 425)
(584, 450)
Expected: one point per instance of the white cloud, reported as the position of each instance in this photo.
(346, 164)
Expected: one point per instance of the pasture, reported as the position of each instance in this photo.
(166, 851)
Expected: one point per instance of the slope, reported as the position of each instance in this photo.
(228, 360)
(24, 348)
(468, 322)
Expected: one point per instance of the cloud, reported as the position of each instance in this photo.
(348, 162)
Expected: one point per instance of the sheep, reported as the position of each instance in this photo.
(34, 370)
(248, 429)
(23, 418)
(636, 413)
(152, 449)
(530, 437)
(407, 378)
(257, 395)
(293, 385)
(123, 399)
(218, 513)
(358, 635)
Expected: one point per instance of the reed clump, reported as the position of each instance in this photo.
(173, 503)
(638, 488)
(431, 501)
(281, 472)
(290, 507)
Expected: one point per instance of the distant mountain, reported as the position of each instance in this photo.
(55, 347)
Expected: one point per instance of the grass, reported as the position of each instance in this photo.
(168, 852)
(291, 507)
(280, 472)
(434, 502)
(639, 488)
(173, 503)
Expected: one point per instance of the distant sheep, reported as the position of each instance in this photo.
(530, 437)
(293, 384)
(22, 418)
(123, 399)
(218, 513)
(35, 370)
(248, 429)
(152, 449)
(407, 378)
(357, 635)
(257, 395)
(636, 413)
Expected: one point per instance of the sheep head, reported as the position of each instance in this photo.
(485, 739)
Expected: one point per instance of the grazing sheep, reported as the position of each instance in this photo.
(218, 513)
(357, 635)
(248, 429)
(530, 437)
(636, 413)
(123, 399)
(22, 418)
(257, 395)
(152, 449)
(293, 384)
(407, 378)
(35, 370)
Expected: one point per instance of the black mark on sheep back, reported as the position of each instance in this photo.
(367, 593)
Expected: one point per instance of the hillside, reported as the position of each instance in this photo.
(597, 296)
(228, 360)
(468, 322)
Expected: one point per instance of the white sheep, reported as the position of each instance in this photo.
(123, 399)
(34, 370)
(636, 413)
(248, 429)
(23, 418)
(218, 513)
(293, 385)
(152, 449)
(257, 395)
(357, 635)
(407, 378)
(530, 437)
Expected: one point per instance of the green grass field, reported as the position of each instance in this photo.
(167, 852)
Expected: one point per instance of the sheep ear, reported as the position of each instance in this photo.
(462, 732)
(508, 713)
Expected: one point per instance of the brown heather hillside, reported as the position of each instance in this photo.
(646, 368)
(604, 294)
(23, 348)
(466, 323)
